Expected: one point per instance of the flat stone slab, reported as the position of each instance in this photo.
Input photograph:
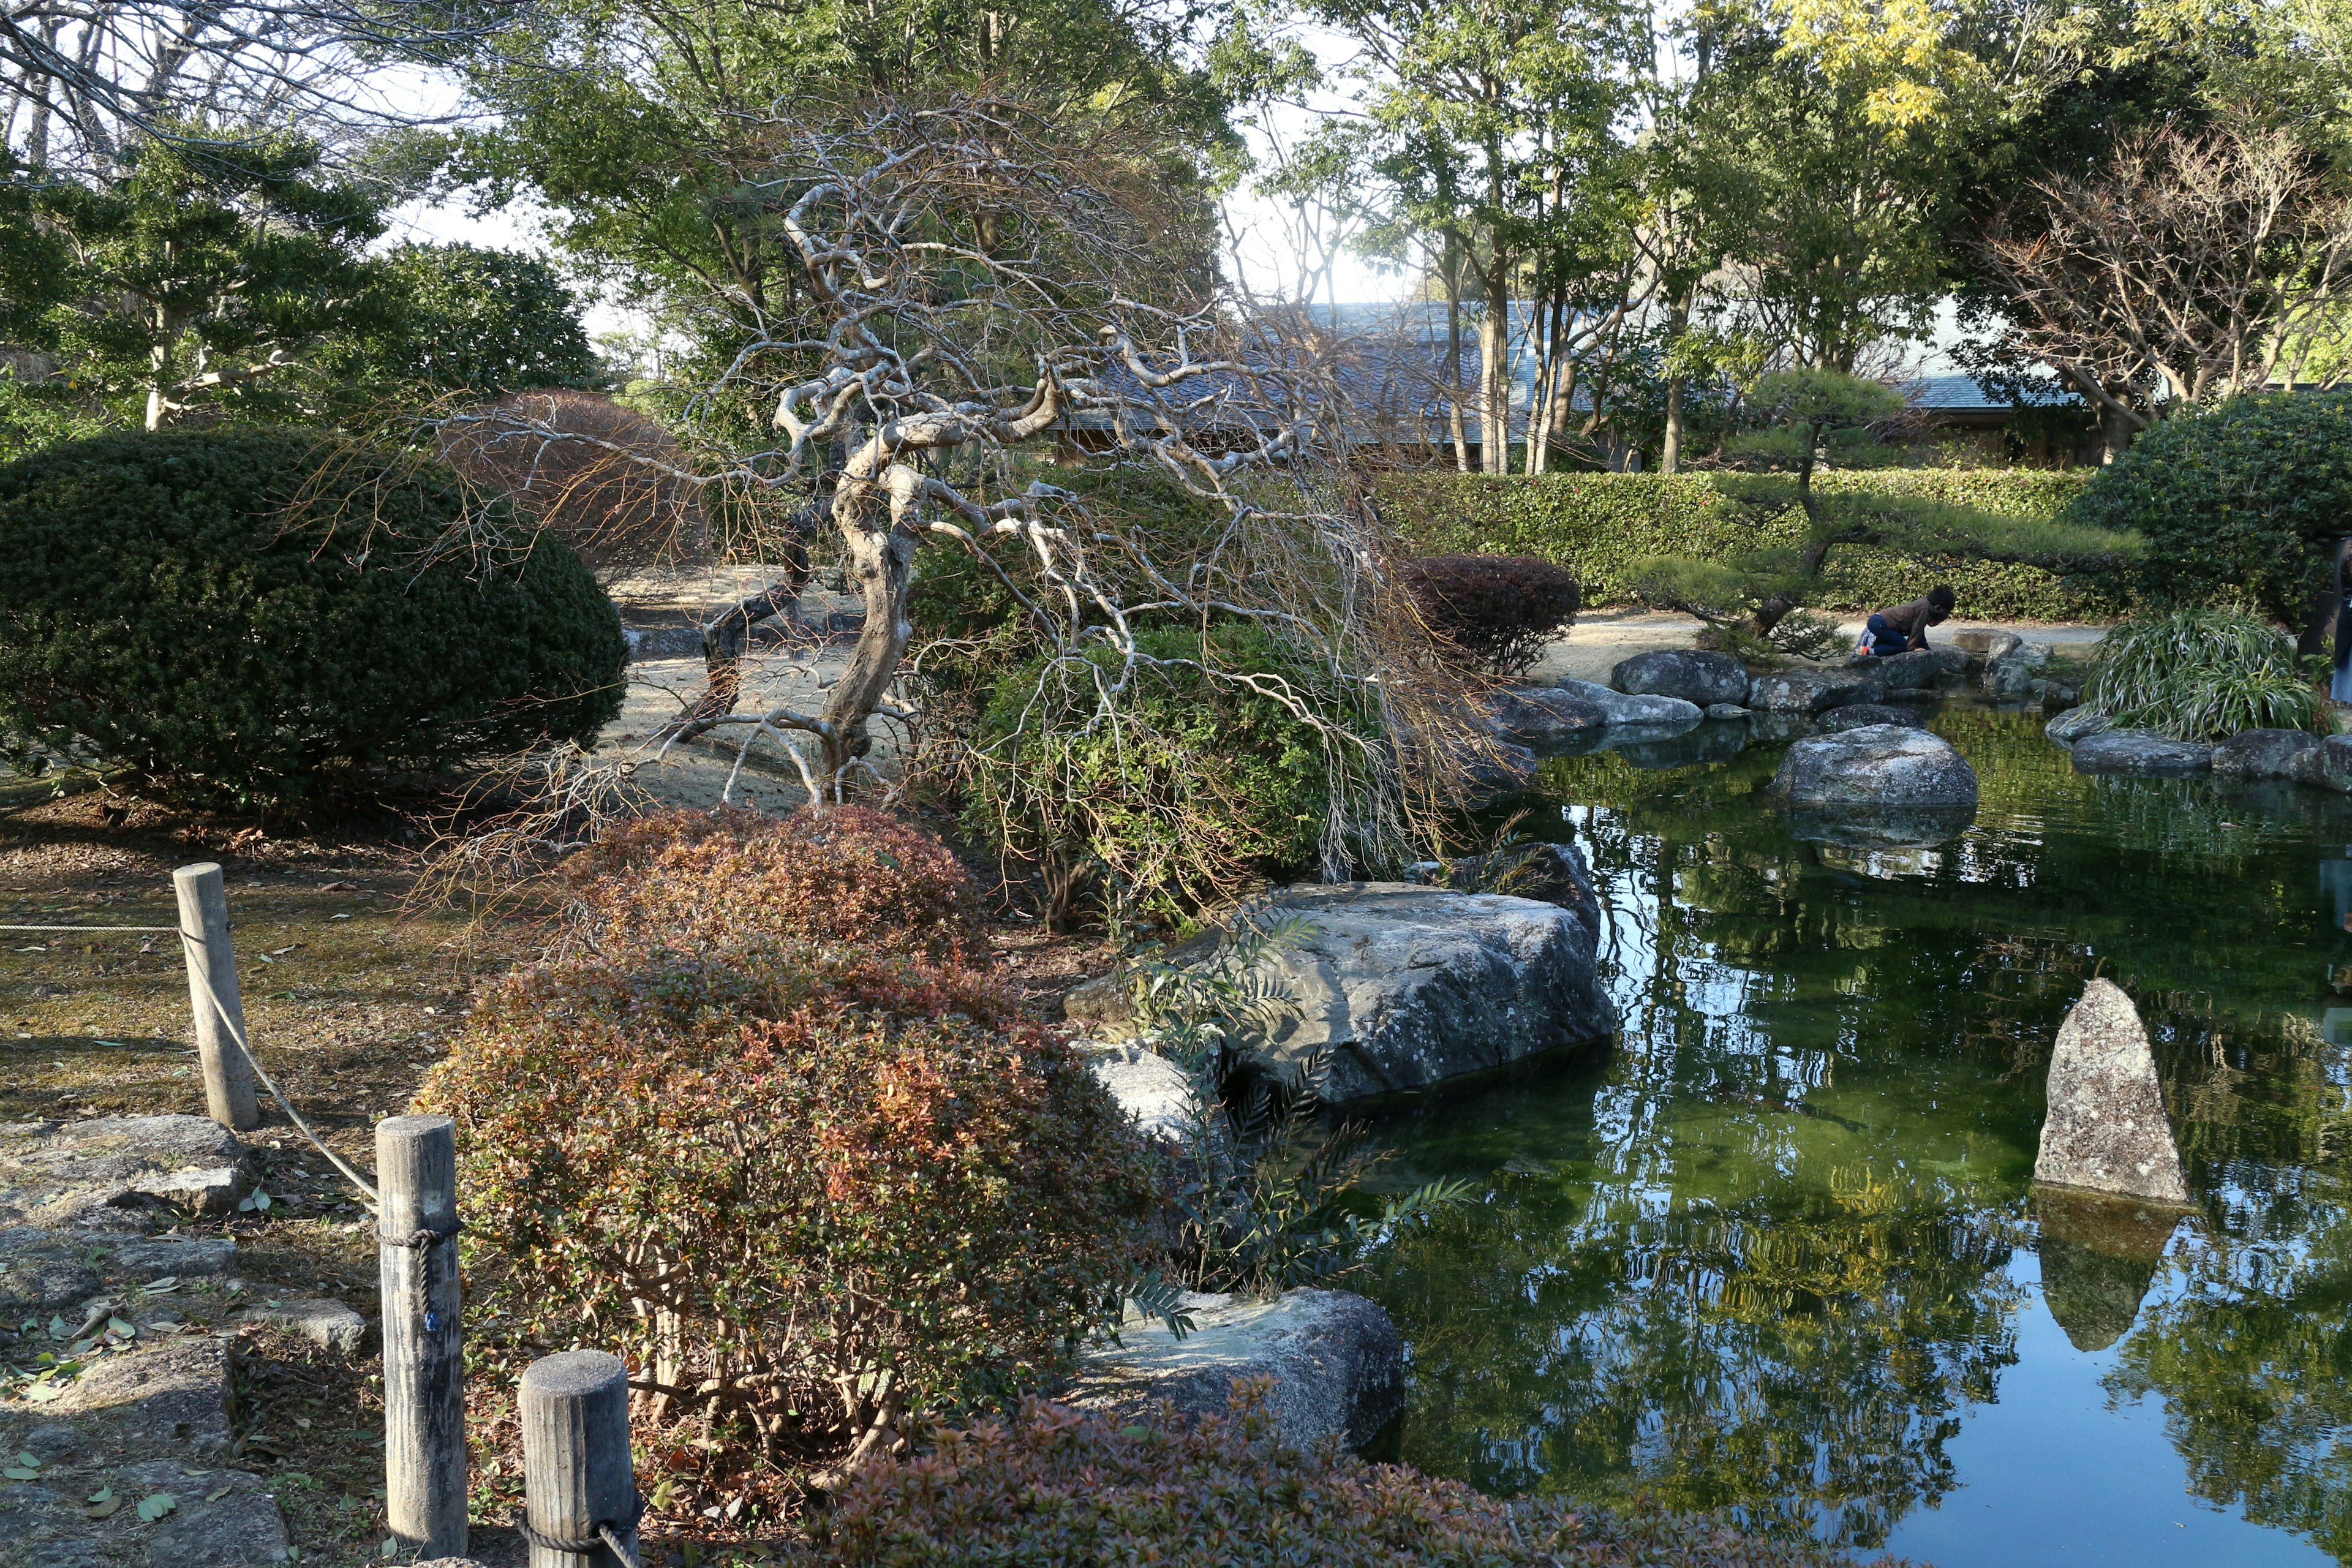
(1336, 1360)
(1618, 709)
(2106, 1129)
(1396, 987)
(2141, 753)
(114, 1172)
(328, 1324)
(1878, 767)
(176, 1395)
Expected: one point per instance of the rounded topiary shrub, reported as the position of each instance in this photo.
(847, 873)
(2235, 502)
(808, 1192)
(1499, 610)
(275, 617)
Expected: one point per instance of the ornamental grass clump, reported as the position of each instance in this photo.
(2201, 674)
(846, 874)
(1056, 1486)
(807, 1191)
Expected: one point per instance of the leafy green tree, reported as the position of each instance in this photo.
(196, 283)
(650, 128)
(459, 318)
(1499, 129)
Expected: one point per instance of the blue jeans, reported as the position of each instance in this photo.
(1886, 641)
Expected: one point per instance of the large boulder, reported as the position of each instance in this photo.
(1982, 645)
(1543, 716)
(2328, 764)
(1813, 691)
(1396, 987)
(1692, 674)
(2262, 753)
(1919, 670)
(1860, 715)
(2106, 1129)
(2073, 724)
(1336, 1362)
(1555, 873)
(1619, 708)
(1878, 767)
(2141, 753)
(2017, 675)
(1151, 1089)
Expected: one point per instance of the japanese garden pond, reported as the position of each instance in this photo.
(1776, 1250)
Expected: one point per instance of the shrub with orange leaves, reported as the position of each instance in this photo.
(1056, 1486)
(846, 874)
(808, 1192)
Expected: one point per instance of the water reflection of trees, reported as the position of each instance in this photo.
(1810, 1366)
(1690, 1307)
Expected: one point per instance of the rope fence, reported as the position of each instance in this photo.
(583, 1505)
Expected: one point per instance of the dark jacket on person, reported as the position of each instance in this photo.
(1910, 621)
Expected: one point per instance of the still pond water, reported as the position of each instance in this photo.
(1776, 1250)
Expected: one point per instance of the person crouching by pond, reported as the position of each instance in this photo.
(1905, 627)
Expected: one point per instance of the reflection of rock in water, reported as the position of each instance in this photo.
(1709, 743)
(1766, 728)
(2098, 1256)
(1917, 828)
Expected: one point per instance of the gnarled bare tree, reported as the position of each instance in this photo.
(973, 280)
(2200, 265)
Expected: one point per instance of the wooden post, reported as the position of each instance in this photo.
(424, 1360)
(212, 967)
(576, 1473)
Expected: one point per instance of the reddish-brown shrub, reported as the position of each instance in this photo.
(806, 1191)
(603, 479)
(1058, 1487)
(1497, 609)
(847, 874)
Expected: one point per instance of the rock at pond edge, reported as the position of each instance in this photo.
(2141, 753)
(1878, 767)
(1695, 674)
(1336, 1360)
(2106, 1130)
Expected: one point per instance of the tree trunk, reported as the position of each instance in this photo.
(1495, 371)
(1670, 449)
(2114, 433)
(1452, 267)
(882, 565)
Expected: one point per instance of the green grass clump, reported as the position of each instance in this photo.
(2203, 675)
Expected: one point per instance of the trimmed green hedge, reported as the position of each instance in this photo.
(1597, 525)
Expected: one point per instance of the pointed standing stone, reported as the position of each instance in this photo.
(2106, 1129)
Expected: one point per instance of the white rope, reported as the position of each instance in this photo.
(90, 928)
(220, 1010)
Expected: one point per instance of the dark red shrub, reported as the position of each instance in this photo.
(1497, 609)
(807, 1193)
(846, 874)
(1059, 1487)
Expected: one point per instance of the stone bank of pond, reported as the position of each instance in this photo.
(1777, 1251)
